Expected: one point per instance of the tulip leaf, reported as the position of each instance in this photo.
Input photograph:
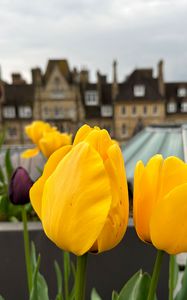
(59, 281)
(39, 286)
(2, 177)
(8, 164)
(114, 295)
(182, 294)
(2, 139)
(136, 288)
(95, 295)
(173, 273)
(1, 298)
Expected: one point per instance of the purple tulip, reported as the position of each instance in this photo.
(20, 185)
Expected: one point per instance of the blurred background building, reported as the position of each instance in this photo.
(67, 98)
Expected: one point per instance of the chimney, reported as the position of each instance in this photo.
(84, 76)
(114, 83)
(75, 75)
(17, 79)
(36, 76)
(161, 85)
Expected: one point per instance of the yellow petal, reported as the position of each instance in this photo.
(117, 219)
(36, 191)
(81, 134)
(146, 195)
(52, 141)
(168, 223)
(36, 130)
(100, 140)
(76, 200)
(174, 173)
(30, 153)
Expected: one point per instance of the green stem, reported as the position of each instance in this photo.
(67, 267)
(80, 281)
(171, 276)
(27, 248)
(155, 275)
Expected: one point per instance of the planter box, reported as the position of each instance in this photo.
(106, 271)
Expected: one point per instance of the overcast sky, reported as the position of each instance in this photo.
(91, 33)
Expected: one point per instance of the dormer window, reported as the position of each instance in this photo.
(171, 107)
(25, 112)
(182, 92)
(9, 112)
(91, 98)
(106, 111)
(139, 90)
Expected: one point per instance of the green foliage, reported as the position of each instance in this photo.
(59, 281)
(1, 298)
(39, 286)
(136, 288)
(95, 295)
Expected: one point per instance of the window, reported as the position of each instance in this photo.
(145, 110)
(123, 110)
(124, 129)
(25, 112)
(57, 94)
(171, 107)
(184, 107)
(155, 110)
(139, 90)
(91, 98)
(12, 131)
(134, 110)
(58, 113)
(106, 111)
(9, 112)
(182, 92)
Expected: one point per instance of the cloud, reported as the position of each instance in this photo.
(93, 32)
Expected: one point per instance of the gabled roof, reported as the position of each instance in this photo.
(19, 94)
(139, 77)
(63, 67)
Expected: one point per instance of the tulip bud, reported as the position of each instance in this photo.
(20, 185)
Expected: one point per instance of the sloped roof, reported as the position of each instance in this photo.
(63, 67)
(139, 77)
(19, 94)
(166, 140)
(171, 89)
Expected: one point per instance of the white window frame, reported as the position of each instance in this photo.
(181, 92)
(171, 107)
(184, 107)
(91, 98)
(106, 110)
(139, 90)
(25, 112)
(9, 112)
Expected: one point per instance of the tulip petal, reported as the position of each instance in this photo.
(37, 189)
(82, 134)
(30, 153)
(76, 200)
(174, 173)
(168, 223)
(100, 140)
(146, 191)
(117, 219)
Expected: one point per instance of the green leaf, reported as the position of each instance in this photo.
(95, 295)
(1, 298)
(2, 138)
(136, 288)
(173, 273)
(2, 177)
(33, 256)
(59, 281)
(4, 203)
(8, 164)
(114, 295)
(39, 287)
(182, 294)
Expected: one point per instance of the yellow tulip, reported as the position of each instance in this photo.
(160, 203)
(82, 197)
(52, 141)
(46, 138)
